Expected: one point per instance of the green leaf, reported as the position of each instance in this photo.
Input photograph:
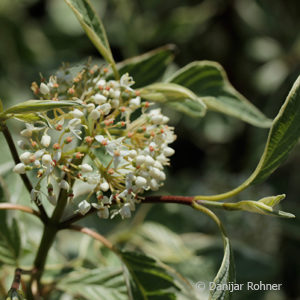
(283, 136)
(264, 206)
(33, 106)
(175, 95)
(209, 82)
(149, 280)
(10, 243)
(148, 67)
(93, 27)
(225, 275)
(103, 283)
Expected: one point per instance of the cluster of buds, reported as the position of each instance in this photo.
(112, 141)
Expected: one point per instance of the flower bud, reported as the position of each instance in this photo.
(99, 99)
(46, 140)
(140, 181)
(84, 207)
(77, 113)
(104, 186)
(44, 89)
(103, 213)
(95, 114)
(154, 185)
(90, 107)
(26, 132)
(19, 168)
(140, 159)
(105, 108)
(157, 119)
(135, 103)
(125, 211)
(168, 151)
(25, 157)
(86, 168)
(64, 185)
(46, 159)
(149, 161)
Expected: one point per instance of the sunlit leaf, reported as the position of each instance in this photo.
(33, 106)
(92, 25)
(175, 95)
(209, 82)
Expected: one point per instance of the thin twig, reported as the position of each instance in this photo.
(95, 235)
(150, 199)
(11, 206)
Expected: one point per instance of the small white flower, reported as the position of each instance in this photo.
(126, 80)
(44, 89)
(135, 103)
(72, 127)
(168, 151)
(46, 140)
(105, 108)
(76, 113)
(104, 186)
(25, 157)
(140, 181)
(46, 159)
(86, 168)
(125, 211)
(84, 207)
(103, 213)
(20, 168)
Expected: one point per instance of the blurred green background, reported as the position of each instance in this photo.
(258, 43)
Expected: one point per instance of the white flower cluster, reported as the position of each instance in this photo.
(112, 141)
